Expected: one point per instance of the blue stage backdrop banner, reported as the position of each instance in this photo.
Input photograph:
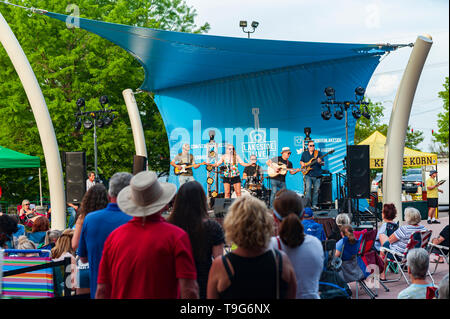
(258, 95)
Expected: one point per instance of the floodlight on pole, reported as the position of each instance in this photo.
(243, 24)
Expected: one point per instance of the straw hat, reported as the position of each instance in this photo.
(285, 149)
(145, 195)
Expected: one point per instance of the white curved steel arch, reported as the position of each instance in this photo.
(43, 122)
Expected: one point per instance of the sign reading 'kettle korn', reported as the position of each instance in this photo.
(407, 161)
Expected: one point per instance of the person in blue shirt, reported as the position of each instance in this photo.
(311, 227)
(312, 178)
(98, 225)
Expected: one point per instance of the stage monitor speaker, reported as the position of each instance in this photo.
(221, 206)
(139, 164)
(358, 171)
(325, 193)
(75, 164)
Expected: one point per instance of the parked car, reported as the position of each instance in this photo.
(375, 183)
(411, 183)
(412, 171)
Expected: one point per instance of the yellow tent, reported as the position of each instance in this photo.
(376, 141)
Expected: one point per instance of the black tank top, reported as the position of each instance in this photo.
(254, 277)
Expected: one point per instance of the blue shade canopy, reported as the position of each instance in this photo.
(258, 95)
(172, 59)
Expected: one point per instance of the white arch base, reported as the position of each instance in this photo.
(398, 124)
(43, 122)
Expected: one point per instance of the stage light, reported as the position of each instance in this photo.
(243, 24)
(329, 92)
(81, 102)
(209, 181)
(307, 131)
(209, 168)
(339, 112)
(103, 100)
(107, 120)
(212, 133)
(255, 24)
(88, 124)
(100, 123)
(366, 113)
(77, 125)
(326, 115)
(356, 112)
(212, 154)
(360, 91)
(214, 194)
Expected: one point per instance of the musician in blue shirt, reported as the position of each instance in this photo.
(312, 178)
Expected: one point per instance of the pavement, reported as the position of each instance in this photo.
(396, 287)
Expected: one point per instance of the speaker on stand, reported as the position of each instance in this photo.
(325, 199)
(358, 173)
(75, 167)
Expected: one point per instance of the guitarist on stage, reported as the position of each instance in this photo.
(187, 159)
(278, 182)
(312, 179)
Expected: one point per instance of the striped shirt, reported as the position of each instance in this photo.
(403, 233)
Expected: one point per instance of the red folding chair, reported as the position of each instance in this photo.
(419, 239)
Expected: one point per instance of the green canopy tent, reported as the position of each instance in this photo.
(13, 159)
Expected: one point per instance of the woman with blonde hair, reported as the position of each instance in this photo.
(251, 271)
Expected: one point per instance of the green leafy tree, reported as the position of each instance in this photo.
(73, 63)
(365, 127)
(441, 135)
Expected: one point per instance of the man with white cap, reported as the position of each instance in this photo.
(278, 182)
(147, 257)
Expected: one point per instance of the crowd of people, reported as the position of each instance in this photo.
(143, 238)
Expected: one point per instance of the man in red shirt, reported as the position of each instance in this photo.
(147, 257)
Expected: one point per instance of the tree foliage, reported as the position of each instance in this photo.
(441, 135)
(73, 63)
(365, 127)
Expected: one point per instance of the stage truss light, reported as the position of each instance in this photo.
(356, 112)
(330, 92)
(366, 113)
(80, 103)
(209, 181)
(326, 114)
(339, 112)
(77, 125)
(307, 131)
(214, 194)
(88, 124)
(100, 123)
(103, 100)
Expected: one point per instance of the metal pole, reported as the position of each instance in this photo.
(40, 186)
(95, 149)
(398, 123)
(43, 122)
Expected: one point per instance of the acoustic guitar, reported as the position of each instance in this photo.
(279, 170)
(307, 168)
(184, 167)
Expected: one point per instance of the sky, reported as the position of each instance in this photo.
(353, 21)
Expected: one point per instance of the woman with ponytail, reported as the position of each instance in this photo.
(304, 251)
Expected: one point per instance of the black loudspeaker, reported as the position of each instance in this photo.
(139, 164)
(221, 206)
(75, 163)
(358, 171)
(325, 193)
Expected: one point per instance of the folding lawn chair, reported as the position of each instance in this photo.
(439, 251)
(34, 284)
(419, 239)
